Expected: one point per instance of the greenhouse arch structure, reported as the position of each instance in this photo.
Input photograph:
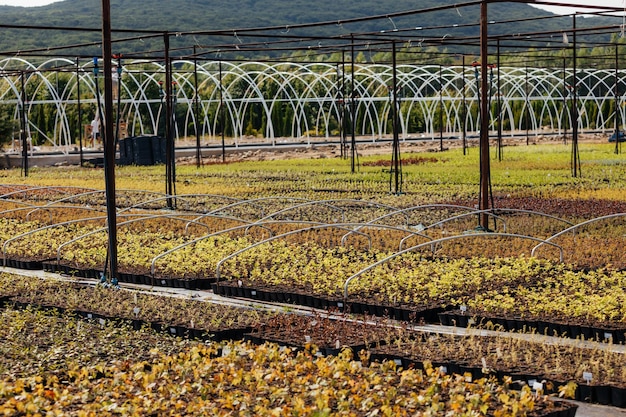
(305, 101)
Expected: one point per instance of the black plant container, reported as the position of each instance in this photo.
(618, 397)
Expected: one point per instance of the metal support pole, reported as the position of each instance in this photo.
(527, 112)
(118, 115)
(489, 101)
(464, 113)
(174, 131)
(499, 106)
(80, 113)
(616, 93)
(195, 107)
(24, 123)
(476, 66)
(440, 110)
(339, 101)
(565, 107)
(222, 116)
(344, 145)
(169, 157)
(353, 154)
(396, 163)
(485, 169)
(109, 142)
(575, 154)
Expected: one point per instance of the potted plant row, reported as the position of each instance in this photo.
(123, 375)
(178, 316)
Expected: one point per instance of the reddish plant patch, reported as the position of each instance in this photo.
(405, 161)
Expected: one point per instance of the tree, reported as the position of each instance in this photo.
(8, 125)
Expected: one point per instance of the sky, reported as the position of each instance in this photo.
(554, 9)
(26, 3)
(568, 10)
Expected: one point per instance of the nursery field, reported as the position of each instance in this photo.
(301, 288)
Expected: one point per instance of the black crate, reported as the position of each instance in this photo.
(142, 150)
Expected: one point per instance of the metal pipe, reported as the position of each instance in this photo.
(485, 170)
(80, 113)
(109, 143)
(24, 123)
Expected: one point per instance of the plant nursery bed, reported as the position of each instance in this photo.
(131, 278)
(189, 317)
(189, 284)
(428, 314)
(321, 330)
(329, 333)
(152, 374)
(587, 374)
(603, 332)
(24, 264)
(216, 334)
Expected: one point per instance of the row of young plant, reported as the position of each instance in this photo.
(316, 267)
(176, 315)
(339, 206)
(71, 297)
(539, 172)
(37, 342)
(415, 282)
(73, 367)
(591, 247)
(528, 289)
(138, 246)
(505, 355)
(340, 203)
(142, 238)
(587, 372)
(576, 304)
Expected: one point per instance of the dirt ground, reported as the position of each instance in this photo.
(289, 148)
(319, 151)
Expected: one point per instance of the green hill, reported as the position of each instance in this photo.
(206, 15)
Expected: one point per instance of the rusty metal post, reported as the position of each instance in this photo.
(109, 142)
(485, 170)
